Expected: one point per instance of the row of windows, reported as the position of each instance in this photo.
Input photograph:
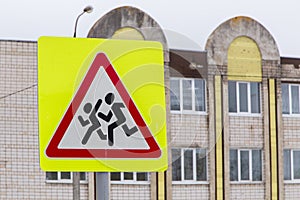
(189, 165)
(189, 96)
(65, 177)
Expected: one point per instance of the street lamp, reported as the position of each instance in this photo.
(76, 175)
(87, 9)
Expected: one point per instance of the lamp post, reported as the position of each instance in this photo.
(87, 9)
(76, 175)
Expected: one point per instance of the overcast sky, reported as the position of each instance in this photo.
(190, 19)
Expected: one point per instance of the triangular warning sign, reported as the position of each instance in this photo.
(102, 121)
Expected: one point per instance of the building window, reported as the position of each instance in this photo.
(129, 177)
(290, 99)
(63, 177)
(244, 97)
(291, 164)
(187, 95)
(189, 165)
(245, 165)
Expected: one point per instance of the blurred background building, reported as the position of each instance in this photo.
(232, 118)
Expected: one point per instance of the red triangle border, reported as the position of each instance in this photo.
(53, 151)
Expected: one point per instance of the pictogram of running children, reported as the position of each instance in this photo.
(93, 120)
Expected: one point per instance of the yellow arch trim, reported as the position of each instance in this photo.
(128, 33)
(244, 60)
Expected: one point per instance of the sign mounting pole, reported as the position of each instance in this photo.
(102, 185)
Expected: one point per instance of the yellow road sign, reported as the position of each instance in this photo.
(101, 105)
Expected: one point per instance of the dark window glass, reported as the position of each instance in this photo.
(187, 94)
(176, 164)
(255, 97)
(188, 164)
(296, 164)
(201, 164)
(115, 176)
(244, 156)
(256, 165)
(285, 99)
(128, 176)
(199, 95)
(287, 164)
(65, 175)
(175, 94)
(295, 99)
(82, 176)
(232, 96)
(233, 165)
(243, 97)
(51, 176)
(141, 176)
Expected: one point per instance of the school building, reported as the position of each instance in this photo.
(233, 114)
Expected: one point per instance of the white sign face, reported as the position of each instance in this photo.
(106, 124)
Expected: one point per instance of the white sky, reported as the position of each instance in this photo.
(192, 19)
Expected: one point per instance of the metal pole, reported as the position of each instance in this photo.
(76, 175)
(76, 185)
(102, 186)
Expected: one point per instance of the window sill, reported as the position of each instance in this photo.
(188, 112)
(190, 183)
(245, 114)
(291, 182)
(246, 182)
(291, 115)
(130, 182)
(64, 182)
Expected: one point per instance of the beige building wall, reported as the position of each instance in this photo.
(20, 173)
(130, 191)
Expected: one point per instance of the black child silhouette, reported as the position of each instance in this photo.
(117, 112)
(93, 120)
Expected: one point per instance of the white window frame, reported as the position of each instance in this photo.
(194, 181)
(293, 180)
(250, 167)
(238, 112)
(193, 111)
(134, 181)
(291, 114)
(60, 180)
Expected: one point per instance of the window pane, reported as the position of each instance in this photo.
(199, 95)
(65, 175)
(296, 165)
(51, 176)
(115, 176)
(285, 99)
(244, 156)
(295, 99)
(287, 164)
(187, 94)
(243, 97)
(188, 164)
(255, 97)
(176, 164)
(82, 176)
(232, 96)
(233, 165)
(142, 176)
(128, 176)
(175, 94)
(256, 165)
(201, 164)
